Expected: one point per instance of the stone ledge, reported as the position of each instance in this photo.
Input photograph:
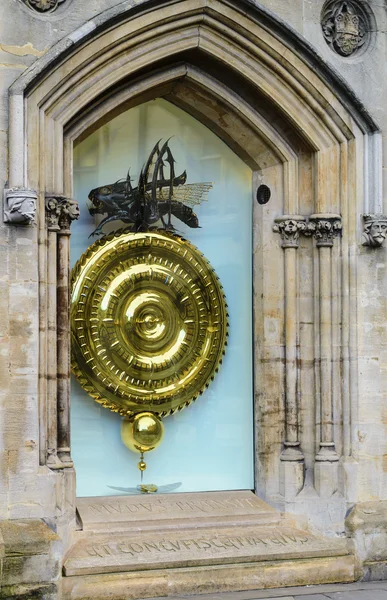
(195, 543)
(170, 511)
(134, 550)
(210, 579)
(27, 592)
(366, 524)
(31, 558)
(367, 516)
(375, 571)
(24, 537)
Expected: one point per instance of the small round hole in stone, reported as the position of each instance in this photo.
(263, 194)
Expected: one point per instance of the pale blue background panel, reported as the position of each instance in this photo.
(208, 446)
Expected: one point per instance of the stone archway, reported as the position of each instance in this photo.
(265, 93)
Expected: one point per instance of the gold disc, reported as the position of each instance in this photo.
(148, 322)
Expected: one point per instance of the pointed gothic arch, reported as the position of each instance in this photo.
(265, 92)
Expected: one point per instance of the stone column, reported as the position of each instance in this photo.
(69, 211)
(292, 458)
(53, 210)
(325, 227)
(60, 212)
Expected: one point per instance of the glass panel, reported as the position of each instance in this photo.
(209, 445)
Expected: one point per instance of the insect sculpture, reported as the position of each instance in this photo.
(156, 197)
(144, 488)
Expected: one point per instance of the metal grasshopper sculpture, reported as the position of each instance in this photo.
(155, 198)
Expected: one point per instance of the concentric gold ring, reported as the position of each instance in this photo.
(148, 322)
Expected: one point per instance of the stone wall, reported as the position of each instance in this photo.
(29, 488)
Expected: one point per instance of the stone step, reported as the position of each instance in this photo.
(212, 579)
(110, 552)
(169, 511)
(142, 546)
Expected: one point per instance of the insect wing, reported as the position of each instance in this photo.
(191, 194)
(169, 488)
(126, 490)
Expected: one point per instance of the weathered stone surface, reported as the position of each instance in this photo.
(185, 530)
(25, 537)
(177, 538)
(315, 156)
(207, 580)
(336, 591)
(367, 525)
(187, 510)
(30, 592)
(182, 548)
(30, 554)
(30, 569)
(310, 126)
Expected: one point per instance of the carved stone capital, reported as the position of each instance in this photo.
(53, 210)
(43, 6)
(289, 227)
(375, 230)
(324, 227)
(19, 205)
(60, 212)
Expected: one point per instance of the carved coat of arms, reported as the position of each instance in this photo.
(43, 6)
(344, 27)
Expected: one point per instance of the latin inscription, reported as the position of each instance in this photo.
(159, 507)
(275, 540)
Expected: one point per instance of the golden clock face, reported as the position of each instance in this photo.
(148, 322)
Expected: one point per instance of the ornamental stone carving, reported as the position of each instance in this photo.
(345, 26)
(19, 205)
(289, 227)
(375, 230)
(60, 212)
(324, 228)
(43, 6)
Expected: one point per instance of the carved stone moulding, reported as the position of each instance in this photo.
(60, 211)
(324, 228)
(19, 205)
(346, 26)
(375, 230)
(43, 6)
(290, 227)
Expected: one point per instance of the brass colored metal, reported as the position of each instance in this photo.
(141, 433)
(148, 322)
(147, 489)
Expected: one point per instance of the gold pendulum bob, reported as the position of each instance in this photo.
(148, 329)
(142, 433)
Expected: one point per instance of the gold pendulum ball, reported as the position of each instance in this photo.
(141, 433)
(141, 465)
